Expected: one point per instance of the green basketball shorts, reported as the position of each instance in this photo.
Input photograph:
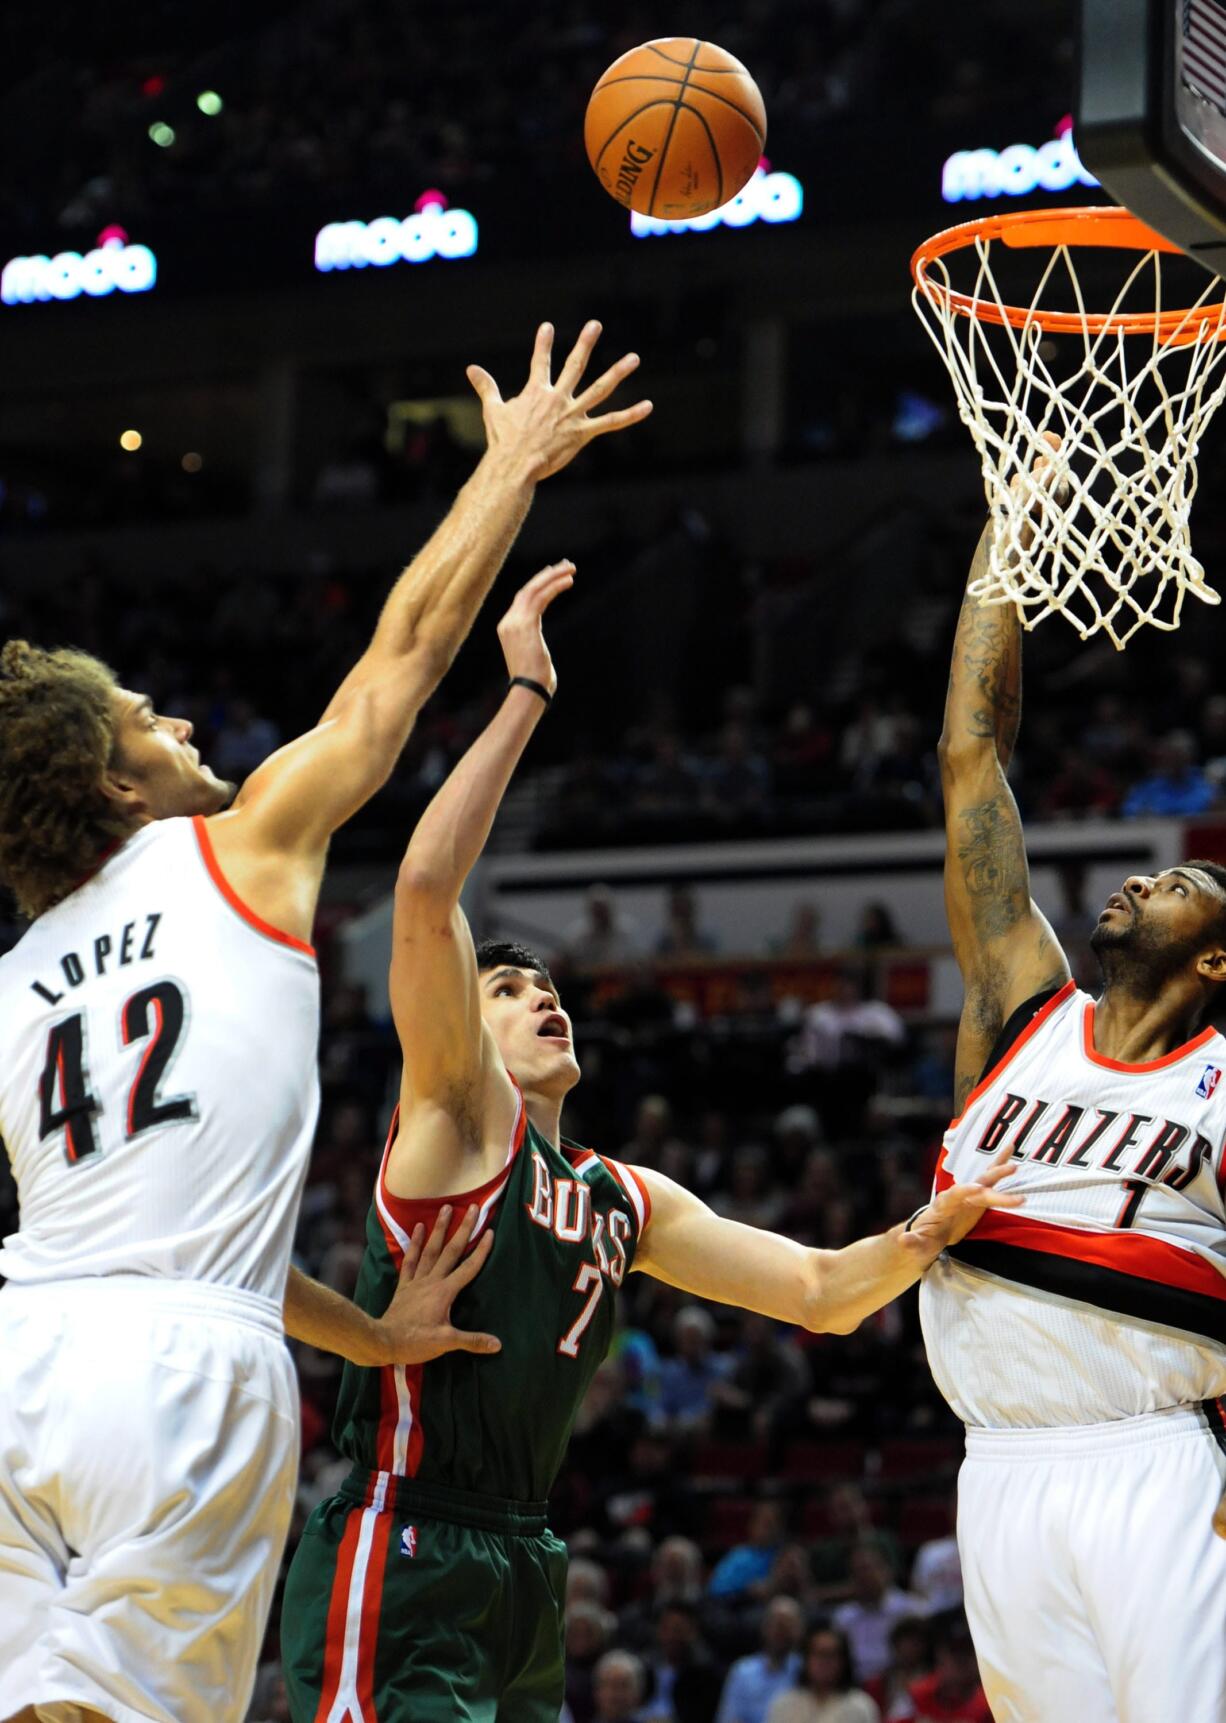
(416, 1604)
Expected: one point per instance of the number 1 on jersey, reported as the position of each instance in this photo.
(156, 1014)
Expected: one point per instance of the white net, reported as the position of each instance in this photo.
(1104, 537)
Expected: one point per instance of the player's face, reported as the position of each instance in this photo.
(532, 1030)
(1164, 919)
(155, 770)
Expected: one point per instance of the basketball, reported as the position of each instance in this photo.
(675, 128)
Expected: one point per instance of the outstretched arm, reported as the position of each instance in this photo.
(688, 1246)
(292, 803)
(416, 1326)
(455, 1092)
(1004, 946)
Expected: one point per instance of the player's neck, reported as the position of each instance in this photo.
(1135, 1027)
(545, 1114)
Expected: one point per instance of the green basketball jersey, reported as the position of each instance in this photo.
(566, 1226)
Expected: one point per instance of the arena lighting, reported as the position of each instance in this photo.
(432, 231)
(772, 197)
(1016, 170)
(113, 264)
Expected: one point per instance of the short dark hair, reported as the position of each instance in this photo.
(510, 954)
(1216, 872)
(845, 1680)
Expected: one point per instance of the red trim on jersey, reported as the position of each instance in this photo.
(372, 1605)
(1125, 1252)
(617, 1168)
(1087, 1047)
(234, 900)
(942, 1179)
(1036, 1023)
(338, 1607)
(413, 1377)
(408, 1212)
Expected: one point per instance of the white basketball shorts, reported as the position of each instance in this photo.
(1095, 1585)
(148, 1457)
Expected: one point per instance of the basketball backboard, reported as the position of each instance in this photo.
(1152, 115)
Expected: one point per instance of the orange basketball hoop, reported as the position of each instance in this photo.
(1100, 532)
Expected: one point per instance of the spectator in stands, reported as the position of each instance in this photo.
(838, 1030)
(745, 1571)
(685, 1680)
(753, 1682)
(877, 1603)
(751, 1196)
(653, 1130)
(1081, 788)
(586, 1582)
(953, 1693)
(850, 1524)
(802, 940)
(589, 1632)
(936, 1576)
(791, 1575)
(765, 1391)
(683, 937)
(244, 740)
(618, 1684)
(690, 1381)
(877, 928)
(819, 1185)
(826, 1690)
(601, 934)
(676, 1577)
(910, 1661)
(738, 785)
(1176, 785)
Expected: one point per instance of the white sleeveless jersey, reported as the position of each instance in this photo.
(1105, 1296)
(159, 1089)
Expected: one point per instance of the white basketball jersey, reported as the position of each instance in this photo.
(1105, 1296)
(159, 1088)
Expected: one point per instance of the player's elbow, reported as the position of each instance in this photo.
(422, 881)
(819, 1313)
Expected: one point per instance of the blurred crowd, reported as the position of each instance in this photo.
(321, 97)
(687, 749)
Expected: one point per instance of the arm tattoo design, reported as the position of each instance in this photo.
(987, 668)
(993, 862)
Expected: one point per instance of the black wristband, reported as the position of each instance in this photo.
(922, 1209)
(536, 687)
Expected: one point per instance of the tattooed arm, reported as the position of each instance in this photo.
(1004, 946)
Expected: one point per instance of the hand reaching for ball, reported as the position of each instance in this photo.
(547, 423)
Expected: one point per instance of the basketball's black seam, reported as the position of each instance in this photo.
(719, 166)
(659, 78)
(622, 124)
(716, 71)
(672, 125)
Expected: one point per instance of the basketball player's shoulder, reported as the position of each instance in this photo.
(615, 1179)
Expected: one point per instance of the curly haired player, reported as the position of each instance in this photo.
(158, 1099)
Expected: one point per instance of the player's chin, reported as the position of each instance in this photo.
(216, 793)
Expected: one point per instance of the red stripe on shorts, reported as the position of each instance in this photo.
(338, 1609)
(372, 1606)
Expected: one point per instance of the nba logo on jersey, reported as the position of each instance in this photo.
(1210, 1079)
(408, 1541)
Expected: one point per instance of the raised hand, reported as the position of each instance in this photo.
(950, 1216)
(547, 422)
(520, 633)
(416, 1326)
